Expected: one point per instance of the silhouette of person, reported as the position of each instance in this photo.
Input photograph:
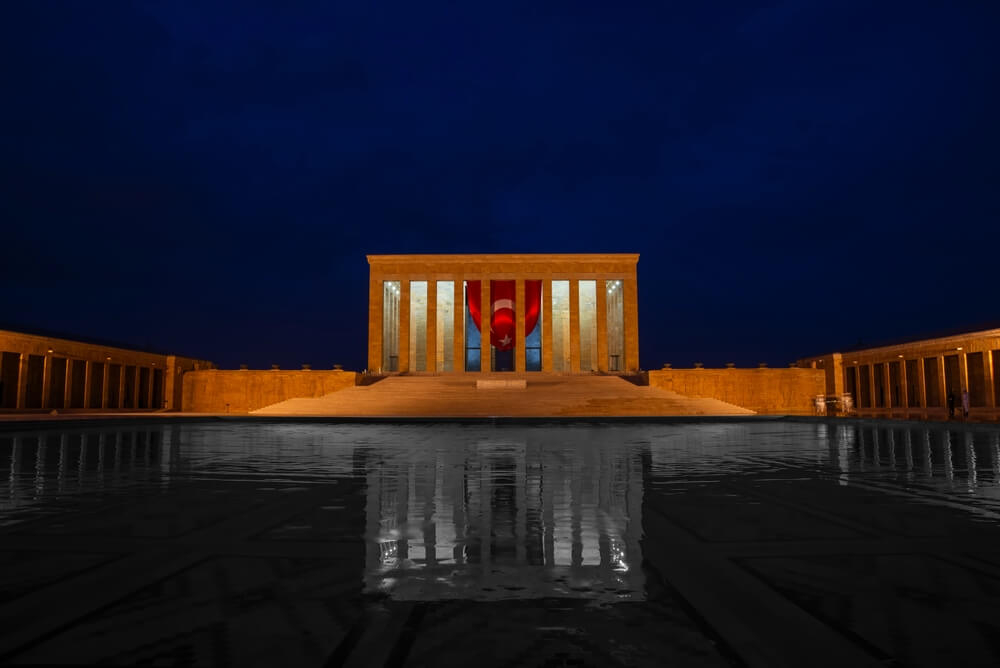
(965, 403)
(951, 404)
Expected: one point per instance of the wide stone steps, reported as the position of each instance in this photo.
(544, 396)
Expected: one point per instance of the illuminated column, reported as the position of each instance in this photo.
(991, 396)
(150, 385)
(963, 375)
(431, 327)
(22, 381)
(121, 386)
(485, 318)
(89, 370)
(872, 399)
(904, 390)
(136, 378)
(602, 325)
(375, 290)
(404, 325)
(519, 333)
(547, 324)
(922, 383)
(887, 385)
(46, 381)
(104, 385)
(459, 334)
(631, 324)
(574, 326)
(68, 385)
(942, 381)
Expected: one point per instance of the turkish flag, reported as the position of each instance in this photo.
(502, 318)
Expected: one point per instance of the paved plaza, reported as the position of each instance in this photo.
(750, 542)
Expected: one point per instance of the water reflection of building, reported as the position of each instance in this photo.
(504, 519)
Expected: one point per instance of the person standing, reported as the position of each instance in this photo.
(965, 403)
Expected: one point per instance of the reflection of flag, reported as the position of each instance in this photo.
(502, 296)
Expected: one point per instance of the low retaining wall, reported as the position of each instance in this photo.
(784, 391)
(215, 391)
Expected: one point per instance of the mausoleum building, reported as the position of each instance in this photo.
(556, 313)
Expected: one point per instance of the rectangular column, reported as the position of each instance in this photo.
(135, 386)
(485, 318)
(991, 396)
(375, 291)
(574, 326)
(22, 381)
(46, 381)
(963, 377)
(121, 386)
(431, 339)
(602, 325)
(922, 383)
(871, 386)
(904, 392)
(547, 324)
(149, 387)
(887, 385)
(105, 390)
(942, 382)
(519, 334)
(404, 326)
(86, 383)
(631, 324)
(68, 385)
(459, 340)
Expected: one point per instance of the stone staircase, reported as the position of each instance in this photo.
(544, 396)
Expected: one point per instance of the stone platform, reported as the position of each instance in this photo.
(545, 396)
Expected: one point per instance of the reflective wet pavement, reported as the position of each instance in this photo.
(758, 542)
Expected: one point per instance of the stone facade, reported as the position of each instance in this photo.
(914, 380)
(773, 391)
(216, 391)
(40, 372)
(456, 269)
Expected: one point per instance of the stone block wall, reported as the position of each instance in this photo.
(774, 391)
(216, 391)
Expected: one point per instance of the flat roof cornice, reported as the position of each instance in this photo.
(632, 258)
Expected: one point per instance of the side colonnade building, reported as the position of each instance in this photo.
(557, 313)
(915, 379)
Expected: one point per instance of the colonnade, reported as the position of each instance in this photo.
(578, 329)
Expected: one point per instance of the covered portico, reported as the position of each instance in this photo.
(557, 313)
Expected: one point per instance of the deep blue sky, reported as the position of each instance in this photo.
(206, 179)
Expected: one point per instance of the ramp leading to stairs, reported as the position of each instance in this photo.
(458, 396)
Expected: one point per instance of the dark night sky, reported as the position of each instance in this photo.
(206, 179)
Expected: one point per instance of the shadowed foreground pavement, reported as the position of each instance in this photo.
(754, 543)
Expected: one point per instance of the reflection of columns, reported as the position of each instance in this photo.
(547, 324)
(404, 325)
(574, 326)
(375, 342)
(519, 324)
(631, 324)
(22, 381)
(47, 382)
(431, 328)
(602, 325)
(485, 320)
(458, 338)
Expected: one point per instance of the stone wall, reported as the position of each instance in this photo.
(242, 391)
(775, 391)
